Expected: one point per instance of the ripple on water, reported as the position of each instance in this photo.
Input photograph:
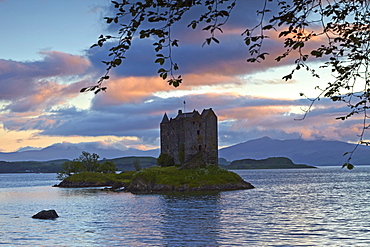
(309, 207)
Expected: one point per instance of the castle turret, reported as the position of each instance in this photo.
(165, 118)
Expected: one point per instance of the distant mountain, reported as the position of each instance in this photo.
(71, 151)
(55, 166)
(300, 151)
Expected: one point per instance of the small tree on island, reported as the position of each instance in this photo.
(86, 163)
(137, 164)
(89, 161)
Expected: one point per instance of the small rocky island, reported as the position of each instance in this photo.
(161, 179)
(269, 163)
(188, 161)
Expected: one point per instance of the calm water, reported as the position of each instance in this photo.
(306, 207)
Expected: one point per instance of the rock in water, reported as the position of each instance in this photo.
(46, 214)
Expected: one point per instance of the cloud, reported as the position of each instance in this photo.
(36, 95)
(130, 90)
(32, 85)
(240, 118)
(227, 59)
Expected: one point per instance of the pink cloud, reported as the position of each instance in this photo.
(64, 64)
(31, 85)
(279, 117)
(130, 89)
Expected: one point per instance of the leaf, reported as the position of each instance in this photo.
(159, 60)
(224, 13)
(267, 27)
(348, 165)
(117, 61)
(207, 27)
(316, 53)
(215, 40)
(109, 20)
(208, 41)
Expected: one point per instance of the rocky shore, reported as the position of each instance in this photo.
(84, 184)
(144, 187)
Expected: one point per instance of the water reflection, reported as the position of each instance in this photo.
(84, 192)
(288, 208)
(192, 218)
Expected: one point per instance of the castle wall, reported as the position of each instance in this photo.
(210, 155)
(188, 134)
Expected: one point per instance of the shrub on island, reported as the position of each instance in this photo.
(97, 179)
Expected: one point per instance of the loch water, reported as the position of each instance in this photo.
(329, 206)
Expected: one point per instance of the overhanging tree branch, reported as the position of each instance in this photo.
(339, 29)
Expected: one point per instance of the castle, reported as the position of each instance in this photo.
(190, 134)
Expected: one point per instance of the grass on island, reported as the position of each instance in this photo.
(97, 177)
(210, 175)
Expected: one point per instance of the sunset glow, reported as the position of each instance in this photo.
(40, 103)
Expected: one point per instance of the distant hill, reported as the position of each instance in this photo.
(71, 151)
(52, 166)
(269, 163)
(55, 166)
(300, 151)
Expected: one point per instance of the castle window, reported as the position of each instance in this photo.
(200, 148)
(198, 132)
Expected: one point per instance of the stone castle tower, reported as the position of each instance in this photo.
(190, 134)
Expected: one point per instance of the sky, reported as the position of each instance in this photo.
(45, 59)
